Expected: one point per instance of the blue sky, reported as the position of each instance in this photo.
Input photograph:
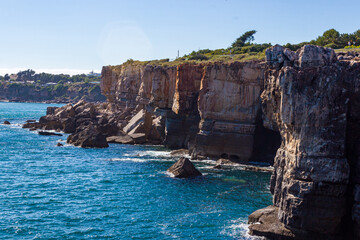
(74, 36)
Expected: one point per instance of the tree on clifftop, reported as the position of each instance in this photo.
(243, 39)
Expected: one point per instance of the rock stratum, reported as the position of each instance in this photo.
(298, 110)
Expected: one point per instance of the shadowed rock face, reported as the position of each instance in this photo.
(312, 99)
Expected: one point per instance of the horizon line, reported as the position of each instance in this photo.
(68, 71)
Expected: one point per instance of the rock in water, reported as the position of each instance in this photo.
(183, 168)
(6, 122)
(49, 133)
(59, 144)
(88, 137)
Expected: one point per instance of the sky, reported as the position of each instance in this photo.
(77, 36)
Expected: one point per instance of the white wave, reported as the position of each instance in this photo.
(239, 229)
(128, 159)
(168, 173)
(155, 153)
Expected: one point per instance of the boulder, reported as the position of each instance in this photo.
(6, 122)
(139, 138)
(32, 125)
(140, 123)
(184, 168)
(88, 137)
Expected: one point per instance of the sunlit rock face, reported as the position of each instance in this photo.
(312, 98)
(228, 103)
(212, 109)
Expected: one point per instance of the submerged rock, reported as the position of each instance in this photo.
(184, 168)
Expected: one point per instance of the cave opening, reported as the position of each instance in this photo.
(266, 143)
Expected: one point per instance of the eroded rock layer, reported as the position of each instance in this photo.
(312, 98)
(228, 103)
(212, 109)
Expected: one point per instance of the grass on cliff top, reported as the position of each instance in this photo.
(209, 59)
(344, 50)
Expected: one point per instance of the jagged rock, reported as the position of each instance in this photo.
(184, 168)
(49, 133)
(264, 222)
(88, 137)
(6, 122)
(51, 110)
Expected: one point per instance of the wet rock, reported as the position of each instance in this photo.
(184, 168)
(44, 133)
(59, 144)
(6, 122)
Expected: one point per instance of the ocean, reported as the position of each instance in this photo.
(121, 192)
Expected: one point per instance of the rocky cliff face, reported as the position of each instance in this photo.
(312, 98)
(213, 109)
(228, 103)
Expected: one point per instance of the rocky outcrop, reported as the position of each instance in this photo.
(184, 168)
(312, 99)
(89, 124)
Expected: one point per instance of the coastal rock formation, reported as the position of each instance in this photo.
(312, 99)
(184, 168)
(228, 103)
(89, 124)
(211, 109)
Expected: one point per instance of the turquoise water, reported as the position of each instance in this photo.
(122, 192)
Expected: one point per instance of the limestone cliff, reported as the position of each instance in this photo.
(228, 103)
(213, 109)
(312, 98)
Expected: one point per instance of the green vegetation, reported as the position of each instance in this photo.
(242, 49)
(331, 38)
(30, 75)
(352, 46)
